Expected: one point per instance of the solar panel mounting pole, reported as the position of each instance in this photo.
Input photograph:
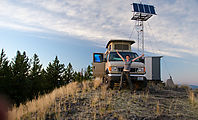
(142, 12)
(140, 31)
(142, 37)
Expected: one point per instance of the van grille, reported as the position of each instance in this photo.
(134, 70)
(120, 69)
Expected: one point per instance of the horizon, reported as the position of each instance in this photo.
(73, 31)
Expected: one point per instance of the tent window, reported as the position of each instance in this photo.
(121, 47)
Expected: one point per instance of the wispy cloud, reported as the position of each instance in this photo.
(174, 30)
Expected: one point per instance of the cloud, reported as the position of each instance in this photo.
(174, 29)
(177, 25)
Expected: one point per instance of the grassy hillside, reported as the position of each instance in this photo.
(91, 100)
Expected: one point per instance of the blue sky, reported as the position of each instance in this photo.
(73, 30)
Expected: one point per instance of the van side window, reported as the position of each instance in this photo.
(98, 57)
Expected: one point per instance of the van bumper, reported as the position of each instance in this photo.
(117, 77)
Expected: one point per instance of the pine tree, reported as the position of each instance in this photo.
(45, 84)
(69, 74)
(35, 76)
(20, 78)
(4, 74)
(21, 82)
(77, 76)
(54, 73)
(88, 73)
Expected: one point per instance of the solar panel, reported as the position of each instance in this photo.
(142, 8)
(152, 9)
(146, 8)
(135, 7)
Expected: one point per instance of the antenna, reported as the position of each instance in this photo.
(141, 13)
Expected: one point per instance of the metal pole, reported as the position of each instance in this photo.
(138, 30)
(142, 38)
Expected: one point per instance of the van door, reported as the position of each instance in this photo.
(98, 65)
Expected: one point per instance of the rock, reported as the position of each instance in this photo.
(169, 83)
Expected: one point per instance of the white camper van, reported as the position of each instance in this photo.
(109, 65)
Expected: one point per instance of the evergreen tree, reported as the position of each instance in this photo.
(21, 82)
(4, 74)
(35, 76)
(77, 76)
(20, 78)
(54, 73)
(69, 74)
(88, 73)
(45, 84)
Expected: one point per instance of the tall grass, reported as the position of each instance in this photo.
(97, 82)
(95, 99)
(157, 108)
(41, 104)
(191, 97)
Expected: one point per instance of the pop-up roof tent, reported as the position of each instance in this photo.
(119, 45)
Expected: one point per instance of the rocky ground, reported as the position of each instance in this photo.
(156, 103)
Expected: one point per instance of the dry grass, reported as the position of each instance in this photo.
(193, 99)
(41, 104)
(192, 95)
(103, 91)
(97, 82)
(91, 100)
(86, 86)
(157, 108)
(185, 87)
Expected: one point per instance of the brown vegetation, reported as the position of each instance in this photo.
(92, 100)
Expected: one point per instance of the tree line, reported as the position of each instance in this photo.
(23, 79)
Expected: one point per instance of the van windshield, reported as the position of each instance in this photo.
(114, 56)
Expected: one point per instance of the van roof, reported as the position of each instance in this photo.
(120, 40)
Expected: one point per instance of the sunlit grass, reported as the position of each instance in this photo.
(41, 104)
(97, 102)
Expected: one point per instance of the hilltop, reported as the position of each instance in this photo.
(193, 86)
(91, 100)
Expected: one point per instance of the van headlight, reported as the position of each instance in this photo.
(114, 68)
(140, 69)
